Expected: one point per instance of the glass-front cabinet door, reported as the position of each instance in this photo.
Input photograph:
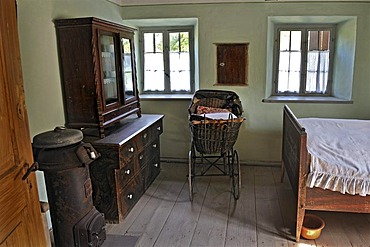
(109, 69)
(127, 69)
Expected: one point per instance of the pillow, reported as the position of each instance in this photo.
(220, 116)
(206, 110)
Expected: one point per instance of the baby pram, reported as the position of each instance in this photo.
(215, 119)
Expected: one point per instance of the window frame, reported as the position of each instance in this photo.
(165, 30)
(304, 44)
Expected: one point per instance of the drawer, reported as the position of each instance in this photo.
(152, 150)
(130, 194)
(149, 135)
(127, 152)
(151, 171)
(157, 128)
(124, 174)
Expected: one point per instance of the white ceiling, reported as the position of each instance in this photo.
(155, 2)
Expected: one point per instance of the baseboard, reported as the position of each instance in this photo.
(242, 162)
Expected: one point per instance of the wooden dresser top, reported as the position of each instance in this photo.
(123, 131)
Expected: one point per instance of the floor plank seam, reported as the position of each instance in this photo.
(255, 207)
(200, 211)
(173, 205)
(228, 217)
(151, 196)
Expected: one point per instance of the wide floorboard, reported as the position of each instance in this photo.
(263, 216)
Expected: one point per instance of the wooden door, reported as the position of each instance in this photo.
(20, 215)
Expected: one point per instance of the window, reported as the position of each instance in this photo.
(303, 60)
(167, 57)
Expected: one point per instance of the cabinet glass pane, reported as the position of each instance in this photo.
(127, 68)
(109, 69)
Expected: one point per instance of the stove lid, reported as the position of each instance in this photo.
(59, 137)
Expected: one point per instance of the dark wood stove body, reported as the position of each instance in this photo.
(129, 162)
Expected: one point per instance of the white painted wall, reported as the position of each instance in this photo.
(260, 136)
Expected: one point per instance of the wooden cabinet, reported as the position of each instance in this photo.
(129, 162)
(98, 72)
(232, 64)
(99, 85)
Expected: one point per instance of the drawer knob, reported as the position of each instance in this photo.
(130, 196)
(159, 128)
(154, 145)
(131, 150)
(141, 157)
(127, 171)
(156, 165)
(92, 155)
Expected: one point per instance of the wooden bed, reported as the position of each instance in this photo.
(296, 163)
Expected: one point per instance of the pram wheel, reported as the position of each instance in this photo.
(191, 172)
(236, 180)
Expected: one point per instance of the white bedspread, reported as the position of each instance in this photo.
(340, 154)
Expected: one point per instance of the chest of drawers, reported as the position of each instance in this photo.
(129, 162)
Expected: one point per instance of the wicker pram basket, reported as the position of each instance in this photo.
(214, 120)
(218, 99)
(215, 136)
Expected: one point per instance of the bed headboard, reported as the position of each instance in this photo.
(294, 151)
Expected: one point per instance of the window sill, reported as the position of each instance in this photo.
(306, 99)
(144, 97)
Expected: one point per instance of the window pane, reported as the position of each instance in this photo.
(294, 82)
(283, 81)
(317, 71)
(153, 72)
(313, 40)
(158, 42)
(317, 61)
(180, 71)
(296, 41)
(289, 82)
(148, 42)
(324, 72)
(318, 40)
(179, 61)
(284, 40)
(174, 42)
(153, 62)
(284, 61)
(153, 42)
(289, 61)
(312, 63)
(295, 62)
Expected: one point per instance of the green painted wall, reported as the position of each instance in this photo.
(260, 137)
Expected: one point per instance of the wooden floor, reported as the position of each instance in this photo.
(263, 216)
